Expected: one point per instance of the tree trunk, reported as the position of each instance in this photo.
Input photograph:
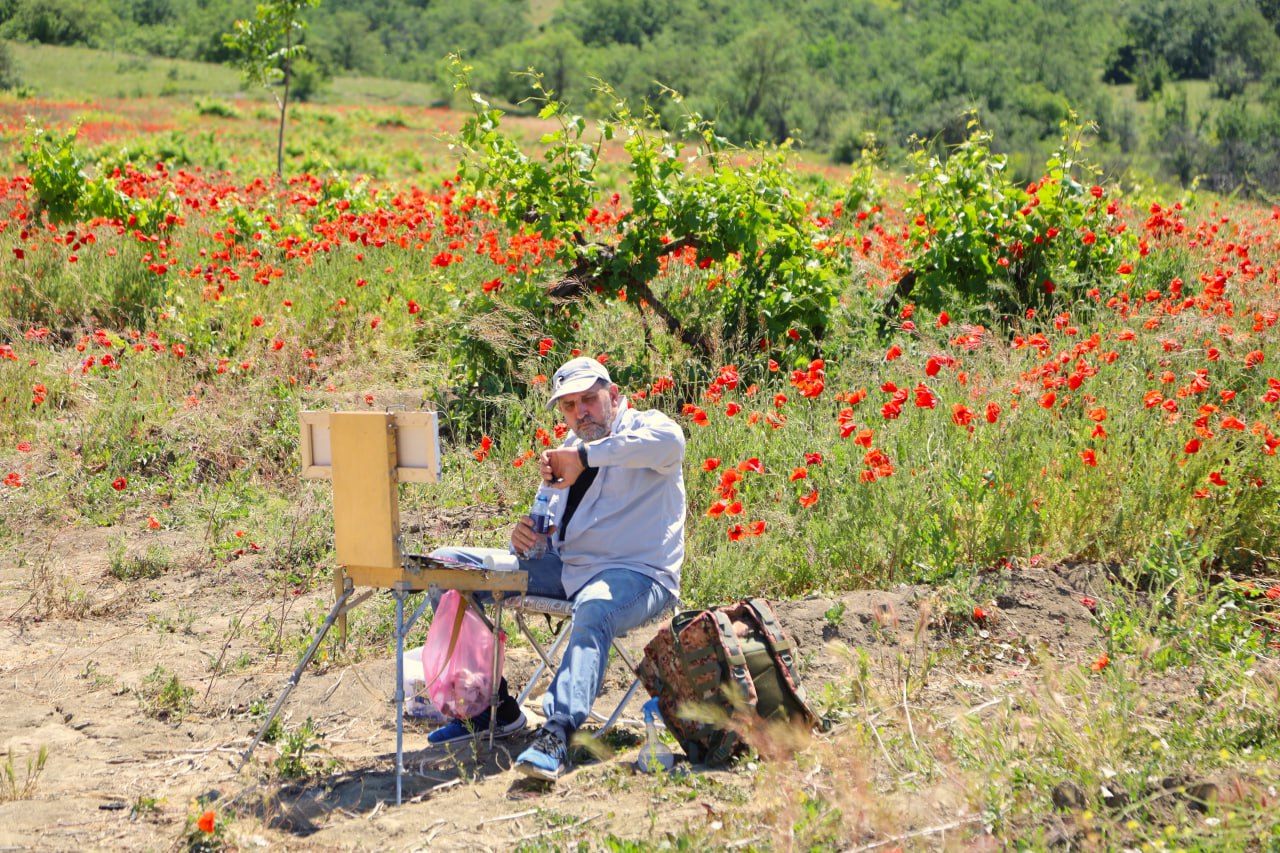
(284, 103)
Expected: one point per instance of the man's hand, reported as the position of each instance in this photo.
(522, 536)
(560, 467)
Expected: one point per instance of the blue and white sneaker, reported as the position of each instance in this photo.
(546, 759)
(456, 731)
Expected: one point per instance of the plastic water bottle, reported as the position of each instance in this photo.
(655, 754)
(541, 516)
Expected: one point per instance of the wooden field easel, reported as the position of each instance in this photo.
(367, 455)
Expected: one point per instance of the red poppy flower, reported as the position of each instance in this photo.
(24, 447)
(716, 509)
(1254, 358)
(1216, 478)
(710, 464)
(756, 528)
(153, 523)
(813, 458)
(545, 345)
(1231, 422)
(1090, 458)
(893, 352)
(809, 499)
(979, 614)
(1192, 446)
(753, 465)
(961, 415)
(944, 319)
(993, 412)
(732, 409)
(737, 532)
(799, 474)
(119, 484)
(13, 480)
(205, 822)
(734, 508)
(1100, 663)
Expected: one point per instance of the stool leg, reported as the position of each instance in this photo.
(546, 658)
(622, 706)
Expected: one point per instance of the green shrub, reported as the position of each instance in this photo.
(979, 240)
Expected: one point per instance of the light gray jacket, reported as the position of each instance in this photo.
(632, 515)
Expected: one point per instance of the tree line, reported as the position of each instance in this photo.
(841, 76)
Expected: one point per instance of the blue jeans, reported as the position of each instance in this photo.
(612, 603)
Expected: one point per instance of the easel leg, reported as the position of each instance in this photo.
(400, 591)
(497, 662)
(340, 583)
(334, 614)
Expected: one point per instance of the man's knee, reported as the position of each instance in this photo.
(594, 617)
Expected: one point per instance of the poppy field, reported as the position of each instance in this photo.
(1085, 373)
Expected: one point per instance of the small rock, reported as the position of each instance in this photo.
(1200, 795)
(1068, 796)
(1116, 800)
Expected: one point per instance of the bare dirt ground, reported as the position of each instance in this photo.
(80, 681)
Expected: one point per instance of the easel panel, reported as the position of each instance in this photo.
(366, 508)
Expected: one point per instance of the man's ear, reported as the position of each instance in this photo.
(614, 394)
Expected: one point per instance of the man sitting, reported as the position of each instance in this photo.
(616, 547)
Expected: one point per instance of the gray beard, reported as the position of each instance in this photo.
(591, 432)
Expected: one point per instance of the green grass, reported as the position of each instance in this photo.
(83, 73)
(80, 73)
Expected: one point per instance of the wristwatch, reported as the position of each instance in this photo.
(582, 456)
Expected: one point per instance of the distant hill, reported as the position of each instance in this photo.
(1179, 88)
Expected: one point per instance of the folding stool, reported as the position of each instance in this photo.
(561, 611)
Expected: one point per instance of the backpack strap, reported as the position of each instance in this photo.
(735, 657)
(780, 647)
(735, 660)
(720, 743)
(778, 641)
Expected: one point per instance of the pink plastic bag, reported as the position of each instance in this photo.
(457, 659)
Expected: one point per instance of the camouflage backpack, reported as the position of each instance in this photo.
(715, 671)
